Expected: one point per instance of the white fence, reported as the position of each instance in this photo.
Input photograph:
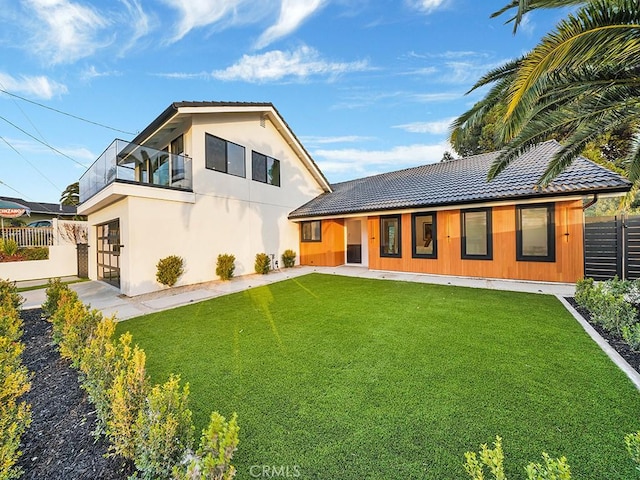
(61, 239)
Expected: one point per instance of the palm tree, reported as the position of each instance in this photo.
(582, 79)
(71, 194)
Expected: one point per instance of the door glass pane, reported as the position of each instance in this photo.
(475, 229)
(534, 232)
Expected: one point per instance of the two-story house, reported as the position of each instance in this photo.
(206, 178)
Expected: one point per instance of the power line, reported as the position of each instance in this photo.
(43, 143)
(65, 113)
(31, 164)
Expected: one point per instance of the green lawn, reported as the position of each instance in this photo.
(348, 378)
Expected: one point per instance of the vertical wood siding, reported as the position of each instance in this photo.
(330, 252)
(568, 267)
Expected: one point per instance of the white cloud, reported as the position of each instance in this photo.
(277, 65)
(136, 18)
(201, 13)
(426, 6)
(66, 31)
(354, 163)
(310, 140)
(292, 14)
(435, 128)
(92, 72)
(436, 97)
(38, 87)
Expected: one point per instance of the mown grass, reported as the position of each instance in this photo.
(338, 377)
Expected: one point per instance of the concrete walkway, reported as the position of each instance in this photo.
(108, 299)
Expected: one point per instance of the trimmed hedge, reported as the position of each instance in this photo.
(151, 426)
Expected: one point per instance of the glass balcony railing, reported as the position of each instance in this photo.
(130, 163)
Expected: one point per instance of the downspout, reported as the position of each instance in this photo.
(590, 202)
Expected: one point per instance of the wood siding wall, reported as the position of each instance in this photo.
(330, 252)
(568, 267)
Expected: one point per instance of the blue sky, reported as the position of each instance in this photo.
(368, 86)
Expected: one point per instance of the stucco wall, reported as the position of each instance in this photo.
(231, 214)
(62, 262)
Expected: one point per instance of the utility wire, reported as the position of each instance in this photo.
(65, 113)
(31, 164)
(24, 114)
(43, 143)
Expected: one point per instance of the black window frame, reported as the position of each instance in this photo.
(463, 235)
(551, 233)
(398, 233)
(434, 235)
(311, 240)
(210, 165)
(263, 170)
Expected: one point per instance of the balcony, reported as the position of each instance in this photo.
(124, 162)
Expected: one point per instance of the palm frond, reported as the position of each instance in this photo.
(606, 32)
(633, 158)
(526, 6)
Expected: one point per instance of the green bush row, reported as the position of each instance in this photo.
(170, 268)
(549, 469)
(150, 425)
(611, 305)
(15, 414)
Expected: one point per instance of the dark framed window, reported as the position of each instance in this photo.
(311, 231)
(477, 241)
(177, 159)
(390, 236)
(265, 169)
(423, 231)
(224, 156)
(535, 233)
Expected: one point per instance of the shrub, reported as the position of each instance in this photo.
(632, 441)
(169, 270)
(9, 246)
(288, 258)
(126, 396)
(225, 266)
(54, 288)
(15, 415)
(9, 294)
(631, 335)
(212, 461)
(163, 430)
(551, 469)
(34, 253)
(98, 364)
(67, 301)
(79, 325)
(584, 290)
(263, 263)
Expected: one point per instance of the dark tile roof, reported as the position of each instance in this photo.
(463, 181)
(45, 208)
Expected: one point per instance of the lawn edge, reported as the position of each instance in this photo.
(603, 344)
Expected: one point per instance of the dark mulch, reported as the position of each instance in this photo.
(59, 443)
(619, 345)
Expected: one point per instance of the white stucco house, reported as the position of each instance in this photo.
(202, 179)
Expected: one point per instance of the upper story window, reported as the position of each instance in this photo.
(390, 236)
(424, 235)
(224, 156)
(265, 169)
(535, 233)
(176, 147)
(311, 231)
(476, 234)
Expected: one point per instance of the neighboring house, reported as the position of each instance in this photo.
(43, 211)
(207, 178)
(446, 219)
(203, 179)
